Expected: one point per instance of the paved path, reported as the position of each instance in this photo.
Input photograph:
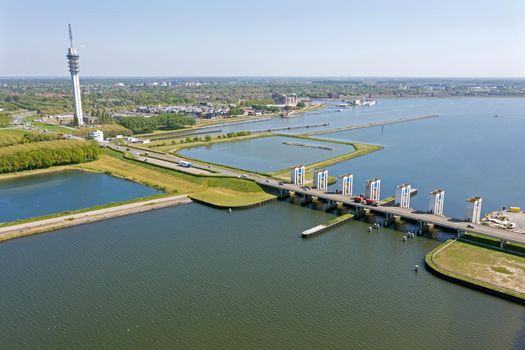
(29, 228)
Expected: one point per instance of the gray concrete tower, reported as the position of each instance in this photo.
(74, 68)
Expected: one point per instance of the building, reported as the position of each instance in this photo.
(348, 184)
(436, 201)
(321, 179)
(403, 196)
(74, 69)
(285, 100)
(298, 175)
(473, 212)
(96, 135)
(373, 189)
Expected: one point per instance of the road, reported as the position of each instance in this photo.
(410, 214)
(30, 228)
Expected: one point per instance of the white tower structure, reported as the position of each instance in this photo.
(473, 212)
(74, 68)
(403, 196)
(321, 179)
(348, 184)
(436, 200)
(373, 189)
(298, 175)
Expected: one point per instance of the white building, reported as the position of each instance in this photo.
(403, 196)
(436, 201)
(473, 212)
(321, 179)
(298, 175)
(96, 135)
(348, 184)
(373, 189)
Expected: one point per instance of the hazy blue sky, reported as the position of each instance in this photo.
(266, 37)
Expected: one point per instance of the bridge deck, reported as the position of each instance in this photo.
(407, 214)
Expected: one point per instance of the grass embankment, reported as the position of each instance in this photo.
(10, 137)
(83, 210)
(360, 149)
(487, 269)
(54, 127)
(339, 219)
(219, 191)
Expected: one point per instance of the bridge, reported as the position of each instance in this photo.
(407, 214)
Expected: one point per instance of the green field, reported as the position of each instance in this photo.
(216, 190)
(483, 266)
(54, 127)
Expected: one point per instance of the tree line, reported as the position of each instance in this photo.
(10, 138)
(165, 121)
(46, 153)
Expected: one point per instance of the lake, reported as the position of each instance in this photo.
(200, 278)
(43, 194)
(266, 154)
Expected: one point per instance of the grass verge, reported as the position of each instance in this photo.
(479, 267)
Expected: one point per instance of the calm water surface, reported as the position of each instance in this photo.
(466, 151)
(200, 278)
(66, 190)
(267, 154)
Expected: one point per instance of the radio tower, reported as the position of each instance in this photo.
(72, 59)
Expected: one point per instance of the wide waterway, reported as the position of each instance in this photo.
(475, 147)
(55, 192)
(192, 277)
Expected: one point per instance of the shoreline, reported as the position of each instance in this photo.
(456, 277)
(59, 222)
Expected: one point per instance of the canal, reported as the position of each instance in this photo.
(200, 278)
(37, 195)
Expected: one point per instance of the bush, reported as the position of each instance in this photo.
(516, 247)
(46, 153)
(481, 239)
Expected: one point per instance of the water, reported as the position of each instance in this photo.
(466, 150)
(44, 194)
(266, 154)
(164, 280)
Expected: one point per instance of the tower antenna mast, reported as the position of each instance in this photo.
(70, 36)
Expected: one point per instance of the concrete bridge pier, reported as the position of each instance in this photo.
(330, 205)
(284, 193)
(306, 199)
(424, 227)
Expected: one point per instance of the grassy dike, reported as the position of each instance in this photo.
(480, 267)
(360, 149)
(219, 191)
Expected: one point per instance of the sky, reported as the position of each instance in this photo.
(344, 38)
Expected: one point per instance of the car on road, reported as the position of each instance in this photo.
(470, 226)
(304, 188)
(280, 184)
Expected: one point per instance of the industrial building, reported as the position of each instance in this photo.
(348, 184)
(74, 69)
(321, 179)
(373, 189)
(473, 212)
(403, 196)
(297, 176)
(436, 201)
